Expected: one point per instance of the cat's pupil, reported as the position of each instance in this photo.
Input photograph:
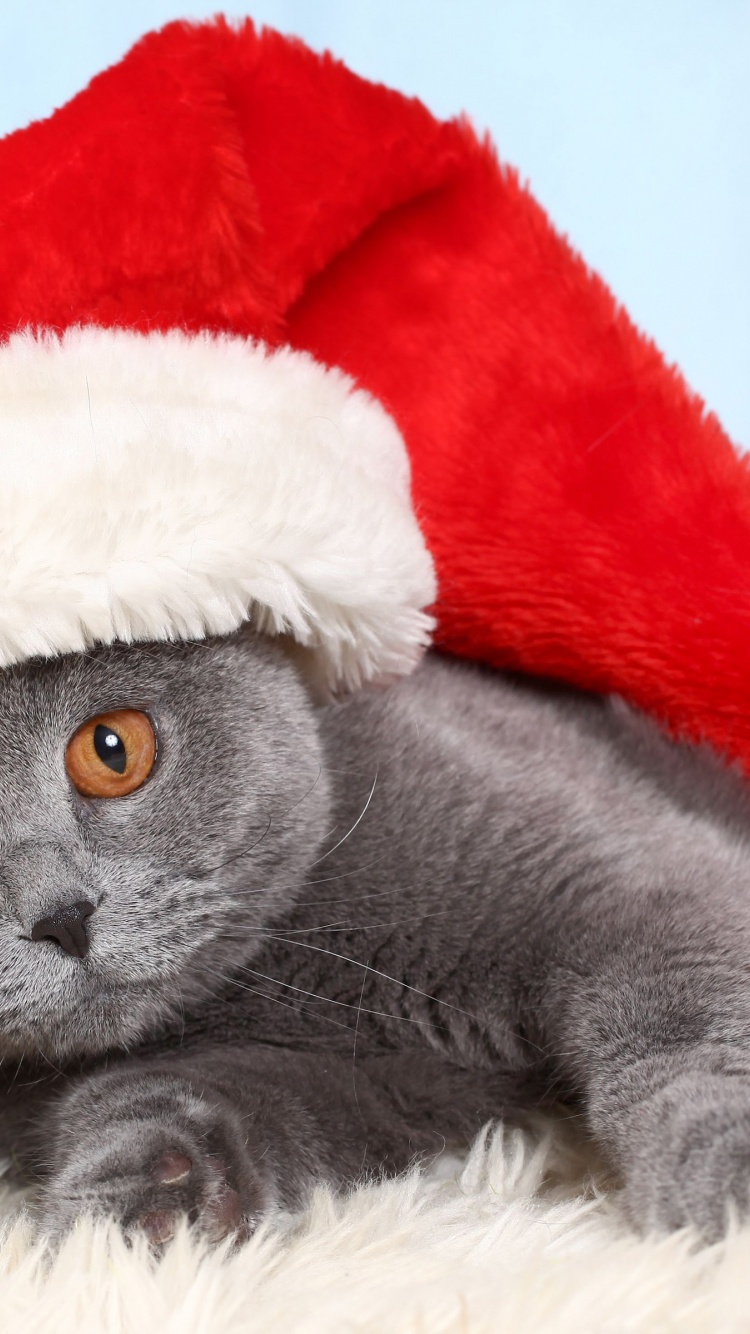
(110, 748)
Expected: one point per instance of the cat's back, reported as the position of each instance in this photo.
(455, 718)
(466, 736)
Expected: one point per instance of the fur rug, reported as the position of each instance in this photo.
(522, 1235)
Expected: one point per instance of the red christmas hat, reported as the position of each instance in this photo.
(587, 520)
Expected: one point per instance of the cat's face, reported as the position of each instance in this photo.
(183, 870)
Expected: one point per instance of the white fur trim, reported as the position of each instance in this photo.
(508, 1243)
(172, 486)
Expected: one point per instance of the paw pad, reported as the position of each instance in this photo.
(171, 1167)
(159, 1226)
(223, 1214)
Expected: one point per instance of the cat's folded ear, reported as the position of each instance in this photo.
(311, 672)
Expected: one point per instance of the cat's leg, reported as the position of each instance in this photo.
(221, 1136)
(650, 1022)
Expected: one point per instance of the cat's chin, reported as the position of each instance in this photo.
(71, 1013)
(117, 1017)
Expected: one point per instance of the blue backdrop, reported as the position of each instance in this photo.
(630, 118)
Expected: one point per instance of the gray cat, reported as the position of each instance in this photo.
(321, 939)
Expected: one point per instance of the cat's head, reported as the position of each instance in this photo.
(116, 910)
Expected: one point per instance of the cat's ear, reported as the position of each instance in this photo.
(308, 667)
(310, 670)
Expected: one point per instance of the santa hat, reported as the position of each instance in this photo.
(171, 486)
(166, 474)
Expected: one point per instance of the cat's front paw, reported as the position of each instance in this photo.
(691, 1161)
(150, 1150)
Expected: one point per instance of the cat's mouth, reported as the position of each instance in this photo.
(63, 998)
(85, 1014)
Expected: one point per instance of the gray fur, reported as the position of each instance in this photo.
(329, 938)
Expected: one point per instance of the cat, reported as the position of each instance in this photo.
(323, 939)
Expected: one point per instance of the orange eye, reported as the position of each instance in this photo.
(112, 754)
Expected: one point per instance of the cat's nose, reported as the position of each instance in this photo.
(67, 927)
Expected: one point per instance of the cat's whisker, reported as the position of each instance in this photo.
(325, 880)
(349, 832)
(354, 1044)
(343, 925)
(306, 794)
(344, 875)
(245, 852)
(314, 996)
(330, 1000)
(287, 1005)
(302, 944)
(48, 1062)
(180, 1001)
(347, 898)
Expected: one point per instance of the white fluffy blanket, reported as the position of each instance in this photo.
(516, 1237)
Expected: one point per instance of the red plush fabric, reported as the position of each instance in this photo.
(588, 520)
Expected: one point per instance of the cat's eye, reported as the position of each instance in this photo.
(112, 754)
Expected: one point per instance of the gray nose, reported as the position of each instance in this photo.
(67, 927)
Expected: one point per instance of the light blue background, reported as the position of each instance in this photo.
(630, 118)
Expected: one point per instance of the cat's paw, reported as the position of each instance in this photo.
(150, 1150)
(692, 1162)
